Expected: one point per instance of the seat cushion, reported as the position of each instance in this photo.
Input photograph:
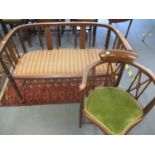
(62, 62)
(113, 109)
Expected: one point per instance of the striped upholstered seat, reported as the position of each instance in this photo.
(56, 62)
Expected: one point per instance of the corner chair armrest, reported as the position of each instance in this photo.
(82, 87)
(86, 72)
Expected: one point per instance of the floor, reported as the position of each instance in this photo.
(63, 119)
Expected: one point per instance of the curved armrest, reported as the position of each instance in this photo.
(82, 87)
(108, 56)
(86, 71)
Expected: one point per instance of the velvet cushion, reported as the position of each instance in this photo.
(113, 109)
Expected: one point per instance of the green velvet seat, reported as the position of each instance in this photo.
(112, 109)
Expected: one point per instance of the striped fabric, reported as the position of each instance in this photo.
(56, 62)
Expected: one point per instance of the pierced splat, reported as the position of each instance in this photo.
(113, 71)
(138, 85)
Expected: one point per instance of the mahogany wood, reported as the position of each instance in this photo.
(48, 38)
(120, 58)
(14, 54)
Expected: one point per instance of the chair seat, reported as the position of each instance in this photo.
(62, 62)
(112, 109)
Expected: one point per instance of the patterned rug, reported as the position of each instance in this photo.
(43, 92)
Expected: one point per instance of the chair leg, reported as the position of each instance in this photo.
(80, 116)
(62, 30)
(90, 36)
(94, 35)
(114, 42)
(21, 41)
(29, 37)
(59, 36)
(11, 26)
(26, 36)
(12, 81)
(4, 28)
(29, 42)
(128, 28)
(75, 36)
(1, 37)
(108, 37)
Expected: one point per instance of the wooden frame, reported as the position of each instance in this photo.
(120, 58)
(9, 47)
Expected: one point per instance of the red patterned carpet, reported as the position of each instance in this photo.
(37, 94)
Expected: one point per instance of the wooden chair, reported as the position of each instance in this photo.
(112, 21)
(0, 36)
(8, 24)
(115, 109)
(12, 23)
